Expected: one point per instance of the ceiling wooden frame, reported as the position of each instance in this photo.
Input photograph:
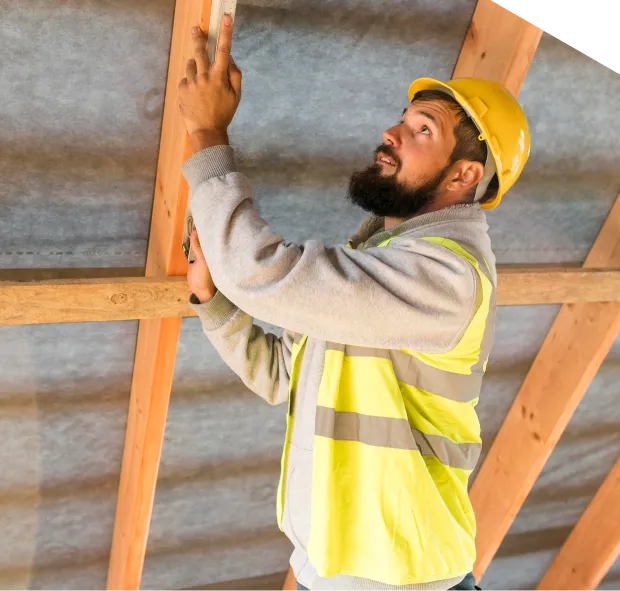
(498, 46)
(157, 337)
(135, 298)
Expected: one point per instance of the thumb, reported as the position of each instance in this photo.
(195, 244)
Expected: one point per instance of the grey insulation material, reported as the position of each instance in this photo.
(63, 408)
(81, 94)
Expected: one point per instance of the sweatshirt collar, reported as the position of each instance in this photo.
(371, 232)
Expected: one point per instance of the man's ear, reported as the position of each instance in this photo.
(465, 175)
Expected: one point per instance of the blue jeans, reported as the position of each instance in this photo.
(469, 582)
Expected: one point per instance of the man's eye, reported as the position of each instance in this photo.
(425, 130)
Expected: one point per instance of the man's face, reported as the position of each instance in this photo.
(411, 163)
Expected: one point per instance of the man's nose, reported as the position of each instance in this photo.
(391, 136)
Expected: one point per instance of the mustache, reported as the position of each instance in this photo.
(388, 151)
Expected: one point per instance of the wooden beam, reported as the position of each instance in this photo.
(135, 298)
(527, 286)
(93, 300)
(593, 545)
(498, 46)
(158, 337)
(569, 358)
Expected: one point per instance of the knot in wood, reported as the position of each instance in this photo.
(119, 298)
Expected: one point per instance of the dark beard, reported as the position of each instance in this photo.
(385, 196)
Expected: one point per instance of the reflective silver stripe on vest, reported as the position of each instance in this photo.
(395, 434)
(298, 337)
(414, 372)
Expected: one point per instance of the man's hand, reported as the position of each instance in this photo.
(198, 275)
(209, 94)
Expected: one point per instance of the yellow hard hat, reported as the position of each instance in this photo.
(500, 120)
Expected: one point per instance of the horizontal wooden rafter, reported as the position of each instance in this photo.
(132, 298)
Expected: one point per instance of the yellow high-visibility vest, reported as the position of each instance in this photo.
(396, 439)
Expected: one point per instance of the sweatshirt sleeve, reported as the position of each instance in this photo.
(260, 359)
(410, 294)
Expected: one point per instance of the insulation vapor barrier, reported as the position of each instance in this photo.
(81, 98)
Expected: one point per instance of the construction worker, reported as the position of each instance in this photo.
(385, 339)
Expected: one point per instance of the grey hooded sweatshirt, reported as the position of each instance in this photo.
(410, 294)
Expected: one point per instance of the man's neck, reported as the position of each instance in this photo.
(390, 223)
(393, 222)
(434, 206)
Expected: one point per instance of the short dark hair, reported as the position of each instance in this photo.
(468, 146)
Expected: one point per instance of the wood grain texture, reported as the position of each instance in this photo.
(157, 337)
(135, 298)
(93, 300)
(594, 543)
(148, 406)
(569, 358)
(498, 46)
(521, 286)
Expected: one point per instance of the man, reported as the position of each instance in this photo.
(386, 339)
